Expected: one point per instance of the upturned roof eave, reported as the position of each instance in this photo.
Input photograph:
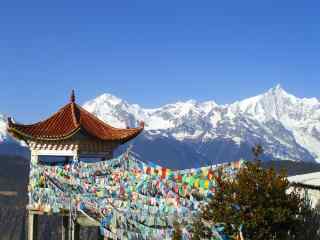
(21, 135)
(24, 136)
(67, 122)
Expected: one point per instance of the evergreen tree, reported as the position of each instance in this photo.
(257, 201)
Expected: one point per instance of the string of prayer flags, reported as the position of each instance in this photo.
(131, 199)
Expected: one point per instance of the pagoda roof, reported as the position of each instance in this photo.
(68, 121)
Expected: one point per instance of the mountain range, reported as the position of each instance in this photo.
(190, 133)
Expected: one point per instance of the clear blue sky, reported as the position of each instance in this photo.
(154, 52)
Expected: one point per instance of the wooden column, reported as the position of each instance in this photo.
(70, 229)
(100, 237)
(76, 231)
(65, 230)
(32, 226)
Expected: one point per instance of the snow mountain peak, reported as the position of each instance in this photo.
(286, 125)
(277, 88)
(109, 98)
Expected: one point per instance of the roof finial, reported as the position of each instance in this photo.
(72, 96)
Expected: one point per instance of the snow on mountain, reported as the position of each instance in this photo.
(5, 138)
(300, 116)
(277, 104)
(3, 128)
(115, 111)
(188, 132)
(288, 127)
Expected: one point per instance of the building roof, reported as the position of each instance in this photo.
(308, 179)
(68, 121)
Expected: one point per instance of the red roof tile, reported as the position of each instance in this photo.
(68, 121)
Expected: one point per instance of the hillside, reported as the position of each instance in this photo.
(292, 168)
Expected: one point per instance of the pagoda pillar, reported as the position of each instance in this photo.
(32, 226)
(76, 231)
(65, 230)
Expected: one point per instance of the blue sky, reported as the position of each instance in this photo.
(154, 52)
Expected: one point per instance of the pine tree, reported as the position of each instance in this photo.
(257, 200)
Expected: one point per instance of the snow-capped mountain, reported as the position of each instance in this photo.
(288, 127)
(191, 133)
(299, 116)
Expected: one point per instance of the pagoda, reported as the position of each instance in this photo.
(71, 134)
